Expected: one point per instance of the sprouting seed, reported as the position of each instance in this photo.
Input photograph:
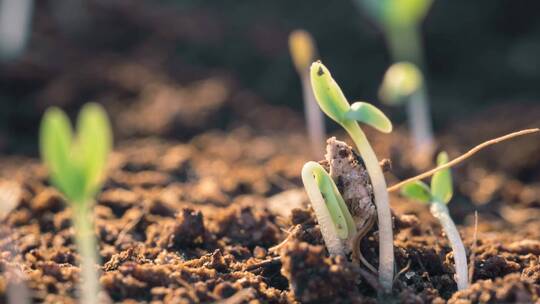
(303, 52)
(335, 220)
(76, 164)
(334, 104)
(438, 196)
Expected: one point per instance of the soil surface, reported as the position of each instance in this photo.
(223, 218)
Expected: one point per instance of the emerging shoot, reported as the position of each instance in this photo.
(400, 21)
(334, 104)
(303, 52)
(438, 196)
(403, 82)
(76, 165)
(332, 214)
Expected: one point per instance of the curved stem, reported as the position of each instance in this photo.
(85, 240)
(384, 216)
(440, 211)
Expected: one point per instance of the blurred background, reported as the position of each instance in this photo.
(175, 68)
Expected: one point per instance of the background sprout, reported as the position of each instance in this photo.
(438, 196)
(76, 167)
(303, 51)
(333, 216)
(403, 83)
(334, 104)
(15, 20)
(400, 21)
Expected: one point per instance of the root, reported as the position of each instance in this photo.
(357, 251)
(402, 271)
(463, 157)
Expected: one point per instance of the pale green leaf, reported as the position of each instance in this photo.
(441, 183)
(369, 114)
(400, 81)
(94, 140)
(417, 191)
(55, 148)
(328, 93)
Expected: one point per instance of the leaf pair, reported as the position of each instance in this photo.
(441, 185)
(333, 102)
(76, 163)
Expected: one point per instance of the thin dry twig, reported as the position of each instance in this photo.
(263, 263)
(473, 248)
(285, 241)
(463, 157)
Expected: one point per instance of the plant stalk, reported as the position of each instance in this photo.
(405, 45)
(440, 211)
(85, 240)
(384, 216)
(314, 117)
(329, 233)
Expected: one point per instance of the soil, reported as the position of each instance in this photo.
(203, 201)
(223, 217)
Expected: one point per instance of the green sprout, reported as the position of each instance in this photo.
(400, 21)
(438, 196)
(403, 82)
(335, 220)
(334, 104)
(303, 51)
(76, 167)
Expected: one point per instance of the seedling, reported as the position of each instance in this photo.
(303, 52)
(334, 104)
(438, 196)
(400, 21)
(403, 83)
(335, 220)
(76, 167)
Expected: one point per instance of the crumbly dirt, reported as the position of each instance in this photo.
(223, 217)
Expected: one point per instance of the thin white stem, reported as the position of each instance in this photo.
(405, 45)
(440, 211)
(85, 240)
(420, 124)
(314, 117)
(329, 233)
(384, 216)
(15, 21)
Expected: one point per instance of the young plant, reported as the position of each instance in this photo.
(400, 21)
(76, 165)
(303, 52)
(334, 104)
(333, 216)
(403, 83)
(438, 196)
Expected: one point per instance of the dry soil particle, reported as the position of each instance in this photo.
(508, 289)
(315, 278)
